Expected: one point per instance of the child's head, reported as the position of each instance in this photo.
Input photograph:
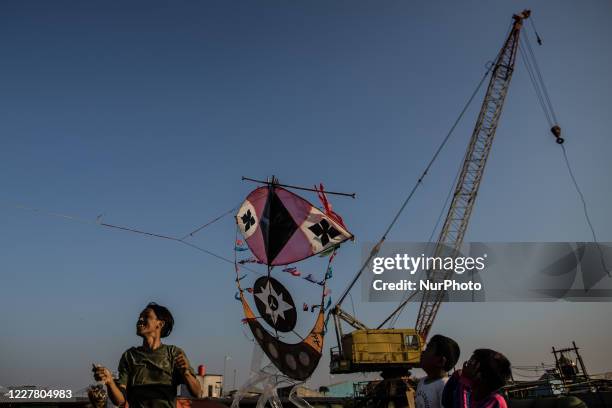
(441, 354)
(489, 368)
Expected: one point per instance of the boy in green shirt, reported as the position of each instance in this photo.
(149, 374)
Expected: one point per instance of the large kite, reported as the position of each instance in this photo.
(281, 228)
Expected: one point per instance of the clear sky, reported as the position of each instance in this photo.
(150, 112)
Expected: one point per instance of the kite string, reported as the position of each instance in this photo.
(327, 275)
(151, 234)
(179, 240)
(127, 229)
(192, 233)
(236, 267)
(46, 212)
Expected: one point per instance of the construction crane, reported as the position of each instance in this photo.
(373, 350)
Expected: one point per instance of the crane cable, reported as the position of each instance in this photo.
(376, 248)
(414, 188)
(537, 81)
(443, 210)
(538, 38)
(393, 319)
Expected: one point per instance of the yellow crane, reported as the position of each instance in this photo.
(377, 349)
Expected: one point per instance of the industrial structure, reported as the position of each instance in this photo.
(387, 350)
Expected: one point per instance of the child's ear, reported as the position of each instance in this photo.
(442, 361)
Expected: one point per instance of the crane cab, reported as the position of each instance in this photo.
(370, 350)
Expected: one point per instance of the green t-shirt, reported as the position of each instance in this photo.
(150, 377)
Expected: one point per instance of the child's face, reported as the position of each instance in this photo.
(471, 368)
(430, 361)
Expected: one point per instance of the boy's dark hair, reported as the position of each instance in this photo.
(445, 347)
(494, 368)
(164, 315)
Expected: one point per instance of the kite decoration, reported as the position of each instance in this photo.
(281, 228)
(293, 271)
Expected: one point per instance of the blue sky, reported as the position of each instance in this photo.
(150, 113)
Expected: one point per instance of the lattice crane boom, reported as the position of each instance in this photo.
(466, 190)
(390, 350)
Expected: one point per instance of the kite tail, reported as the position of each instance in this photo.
(327, 206)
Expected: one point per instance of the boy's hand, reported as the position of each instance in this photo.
(181, 363)
(102, 374)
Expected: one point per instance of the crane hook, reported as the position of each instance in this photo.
(556, 131)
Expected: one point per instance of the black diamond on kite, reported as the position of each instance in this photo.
(248, 220)
(324, 231)
(277, 226)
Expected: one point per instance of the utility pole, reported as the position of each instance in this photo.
(225, 358)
